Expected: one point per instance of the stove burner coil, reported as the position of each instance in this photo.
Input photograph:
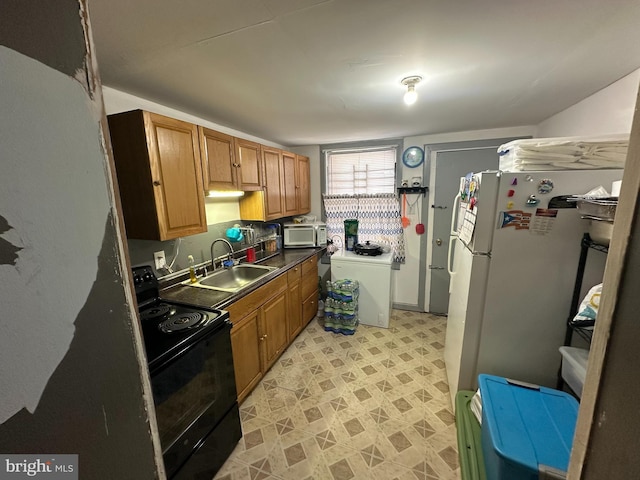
(182, 321)
(157, 311)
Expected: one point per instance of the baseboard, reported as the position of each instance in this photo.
(406, 306)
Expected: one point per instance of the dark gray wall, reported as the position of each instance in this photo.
(90, 401)
(92, 405)
(141, 251)
(50, 32)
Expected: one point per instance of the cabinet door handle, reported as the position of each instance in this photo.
(157, 183)
(262, 338)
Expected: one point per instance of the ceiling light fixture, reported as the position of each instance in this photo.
(411, 96)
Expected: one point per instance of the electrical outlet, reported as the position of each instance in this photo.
(159, 259)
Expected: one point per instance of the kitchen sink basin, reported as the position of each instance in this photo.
(233, 279)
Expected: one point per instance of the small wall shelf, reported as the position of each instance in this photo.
(410, 190)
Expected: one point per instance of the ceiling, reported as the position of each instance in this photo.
(306, 72)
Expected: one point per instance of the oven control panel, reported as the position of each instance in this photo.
(145, 283)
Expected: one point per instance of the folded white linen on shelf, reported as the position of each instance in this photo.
(564, 153)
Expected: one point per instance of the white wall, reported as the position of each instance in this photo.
(407, 278)
(608, 111)
(116, 101)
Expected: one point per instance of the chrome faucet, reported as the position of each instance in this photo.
(229, 255)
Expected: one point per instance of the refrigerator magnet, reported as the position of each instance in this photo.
(532, 201)
(545, 185)
(514, 181)
(509, 205)
(511, 193)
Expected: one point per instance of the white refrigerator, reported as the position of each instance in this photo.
(513, 273)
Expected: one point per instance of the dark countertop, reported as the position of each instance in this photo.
(204, 297)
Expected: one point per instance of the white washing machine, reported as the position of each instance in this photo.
(373, 274)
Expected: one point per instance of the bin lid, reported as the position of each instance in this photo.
(528, 424)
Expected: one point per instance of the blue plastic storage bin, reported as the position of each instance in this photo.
(527, 431)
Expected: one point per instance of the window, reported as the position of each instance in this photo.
(361, 170)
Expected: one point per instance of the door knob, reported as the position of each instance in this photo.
(438, 241)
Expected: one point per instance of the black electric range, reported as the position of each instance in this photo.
(169, 326)
(192, 379)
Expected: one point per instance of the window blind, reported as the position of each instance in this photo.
(361, 171)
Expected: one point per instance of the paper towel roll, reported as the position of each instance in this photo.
(615, 188)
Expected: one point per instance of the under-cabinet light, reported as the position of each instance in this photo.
(224, 194)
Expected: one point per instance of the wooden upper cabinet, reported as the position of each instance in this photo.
(296, 184)
(219, 166)
(159, 172)
(304, 184)
(290, 184)
(273, 173)
(266, 204)
(248, 156)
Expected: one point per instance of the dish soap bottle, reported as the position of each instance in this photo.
(192, 271)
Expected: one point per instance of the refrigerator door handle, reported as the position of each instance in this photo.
(454, 214)
(452, 243)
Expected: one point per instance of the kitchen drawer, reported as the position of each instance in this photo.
(248, 303)
(310, 265)
(310, 307)
(293, 275)
(309, 277)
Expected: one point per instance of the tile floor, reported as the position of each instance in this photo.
(374, 405)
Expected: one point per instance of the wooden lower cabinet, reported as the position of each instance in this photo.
(266, 321)
(273, 322)
(309, 289)
(294, 300)
(259, 333)
(247, 364)
(309, 308)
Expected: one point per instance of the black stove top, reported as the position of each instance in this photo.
(170, 327)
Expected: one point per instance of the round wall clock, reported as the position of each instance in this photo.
(413, 157)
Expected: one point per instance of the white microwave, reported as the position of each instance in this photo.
(305, 235)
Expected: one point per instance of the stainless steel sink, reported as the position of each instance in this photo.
(233, 279)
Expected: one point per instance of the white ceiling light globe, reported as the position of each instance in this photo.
(411, 96)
